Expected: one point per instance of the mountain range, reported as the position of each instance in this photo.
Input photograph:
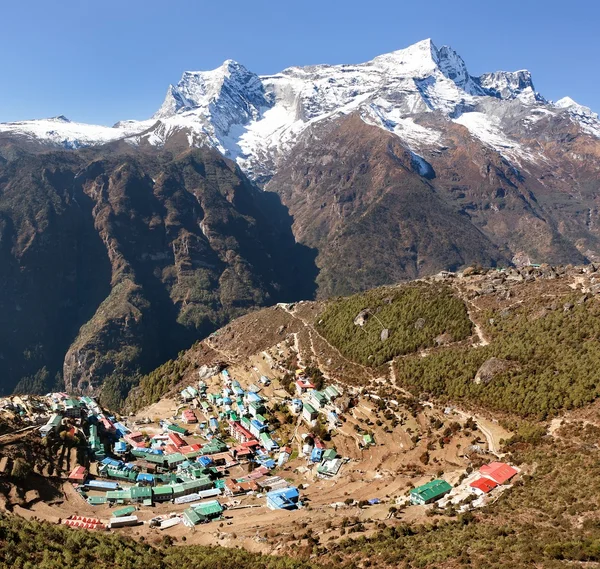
(121, 245)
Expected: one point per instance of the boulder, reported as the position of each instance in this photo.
(491, 368)
(444, 339)
(362, 317)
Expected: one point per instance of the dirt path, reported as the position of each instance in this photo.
(483, 341)
(311, 330)
(490, 430)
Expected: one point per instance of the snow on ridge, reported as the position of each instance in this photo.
(62, 132)
(584, 116)
(256, 120)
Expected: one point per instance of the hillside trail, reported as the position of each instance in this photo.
(311, 330)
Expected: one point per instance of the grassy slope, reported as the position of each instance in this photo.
(414, 314)
(556, 355)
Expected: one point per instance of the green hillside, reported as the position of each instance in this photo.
(414, 316)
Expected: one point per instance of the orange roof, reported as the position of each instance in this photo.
(498, 471)
(484, 484)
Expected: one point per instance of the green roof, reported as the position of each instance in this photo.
(309, 408)
(193, 454)
(123, 512)
(431, 490)
(120, 474)
(368, 439)
(177, 429)
(118, 495)
(329, 454)
(331, 392)
(193, 516)
(175, 458)
(318, 396)
(210, 508)
(162, 490)
(96, 500)
(155, 458)
(138, 492)
(214, 446)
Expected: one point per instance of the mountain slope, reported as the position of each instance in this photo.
(116, 261)
(371, 209)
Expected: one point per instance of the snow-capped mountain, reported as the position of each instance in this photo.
(257, 120)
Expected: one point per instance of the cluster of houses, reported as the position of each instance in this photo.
(310, 401)
(137, 469)
(48, 412)
(489, 477)
(143, 470)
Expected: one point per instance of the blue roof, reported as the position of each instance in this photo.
(254, 396)
(112, 462)
(121, 446)
(205, 460)
(283, 498)
(316, 455)
(290, 493)
(145, 477)
(102, 484)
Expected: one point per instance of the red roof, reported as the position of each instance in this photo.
(498, 471)
(189, 415)
(107, 424)
(189, 448)
(176, 440)
(245, 432)
(484, 484)
(78, 473)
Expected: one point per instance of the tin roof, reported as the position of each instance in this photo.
(432, 489)
(500, 472)
(484, 484)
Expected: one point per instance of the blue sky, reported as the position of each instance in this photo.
(108, 60)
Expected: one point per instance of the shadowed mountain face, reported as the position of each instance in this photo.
(113, 261)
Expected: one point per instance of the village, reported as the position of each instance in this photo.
(238, 447)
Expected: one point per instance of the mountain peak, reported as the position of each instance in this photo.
(574, 106)
(418, 59)
(199, 89)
